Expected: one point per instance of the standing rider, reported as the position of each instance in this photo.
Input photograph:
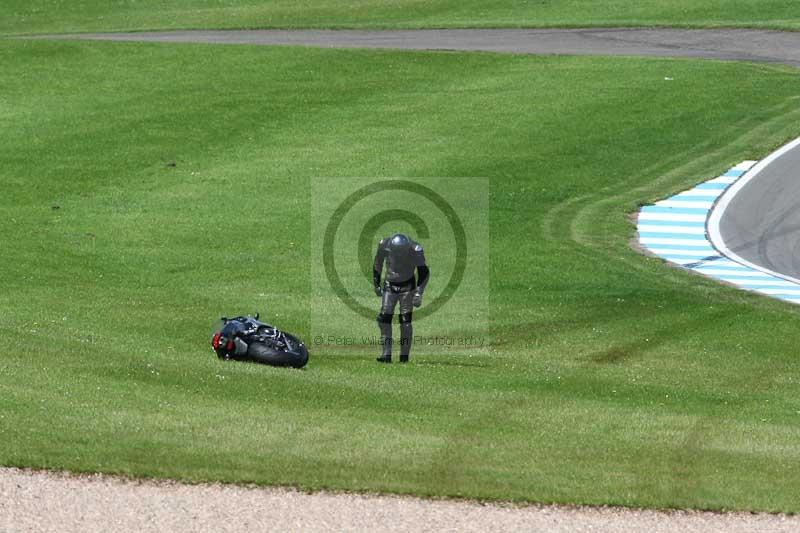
(403, 256)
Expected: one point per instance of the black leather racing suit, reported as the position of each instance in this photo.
(402, 257)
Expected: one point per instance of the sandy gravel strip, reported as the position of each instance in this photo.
(46, 501)
(747, 45)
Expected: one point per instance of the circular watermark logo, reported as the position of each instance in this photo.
(367, 238)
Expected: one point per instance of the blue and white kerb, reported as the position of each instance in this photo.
(675, 230)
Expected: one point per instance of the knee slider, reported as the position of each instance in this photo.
(405, 318)
(385, 318)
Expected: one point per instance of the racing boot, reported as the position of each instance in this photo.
(386, 357)
(405, 337)
(385, 325)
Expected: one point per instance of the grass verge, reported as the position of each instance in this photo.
(133, 174)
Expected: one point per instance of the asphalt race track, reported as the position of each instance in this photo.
(762, 222)
(745, 45)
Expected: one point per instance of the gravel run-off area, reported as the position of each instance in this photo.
(48, 501)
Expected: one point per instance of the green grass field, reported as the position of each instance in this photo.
(38, 16)
(611, 378)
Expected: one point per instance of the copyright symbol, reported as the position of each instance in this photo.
(318, 340)
(367, 238)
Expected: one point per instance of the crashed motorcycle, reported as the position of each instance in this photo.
(245, 338)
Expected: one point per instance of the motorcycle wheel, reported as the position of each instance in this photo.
(300, 350)
(260, 352)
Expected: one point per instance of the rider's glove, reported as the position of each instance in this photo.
(378, 291)
(417, 299)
